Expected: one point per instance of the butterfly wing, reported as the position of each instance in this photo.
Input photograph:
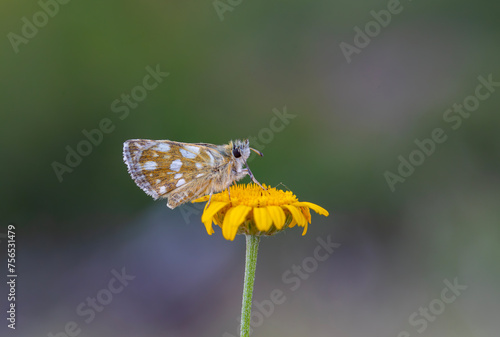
(174, 170)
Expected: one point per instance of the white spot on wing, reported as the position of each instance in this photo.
(187, 154)
(199, 166)
(163, 189)
(150, 165)
(192, 148)
(178, 175)
(163, 147)
(199, 175)
(158, 181)
(212, 161)
(180, 183)
(176, 165)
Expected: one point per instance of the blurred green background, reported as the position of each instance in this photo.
(228, 71)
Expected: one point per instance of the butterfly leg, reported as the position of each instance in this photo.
(210, 198)
(247, 170)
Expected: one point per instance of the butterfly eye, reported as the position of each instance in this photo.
(236, 153)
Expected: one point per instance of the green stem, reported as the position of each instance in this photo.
(250, 265)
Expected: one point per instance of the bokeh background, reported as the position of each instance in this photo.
(228, 72)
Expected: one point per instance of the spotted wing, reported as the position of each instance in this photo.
(174, 170)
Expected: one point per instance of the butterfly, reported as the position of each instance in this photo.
(183, 172)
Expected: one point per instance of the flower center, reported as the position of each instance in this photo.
(253, 196)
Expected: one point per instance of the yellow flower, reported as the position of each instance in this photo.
(252, 210)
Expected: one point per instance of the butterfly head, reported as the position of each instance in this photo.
(241, 150)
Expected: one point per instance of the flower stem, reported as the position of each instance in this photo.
(250, 265)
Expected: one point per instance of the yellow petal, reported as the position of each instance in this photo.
(216, 220)
(307, 213)
(209, 213)
(277, 215)
(305, 229)
(201, 199)
(233, 219)
(294, 223)
(318, 209)
(263, 220)
(208, 225)
(297, 215)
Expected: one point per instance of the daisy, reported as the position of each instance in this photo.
(254, 211)
(248, 209)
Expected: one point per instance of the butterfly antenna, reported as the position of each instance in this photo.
(258, 152)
